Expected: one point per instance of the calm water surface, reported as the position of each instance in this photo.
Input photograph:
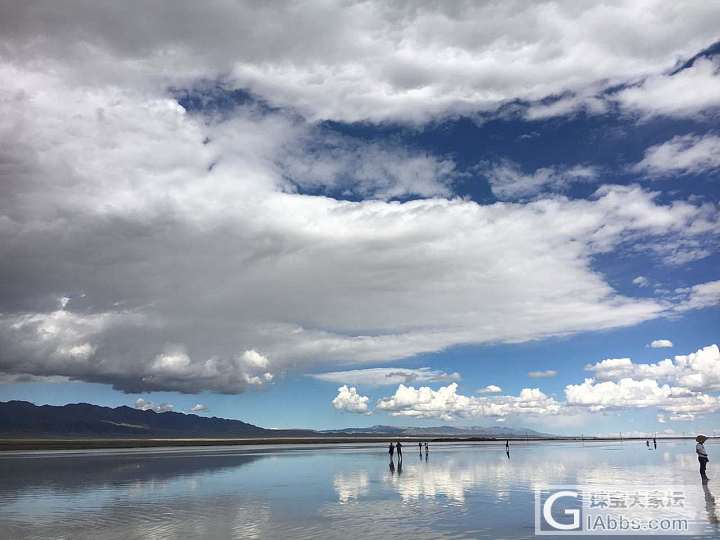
(349, 491)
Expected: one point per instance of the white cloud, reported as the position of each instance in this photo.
(387, 376)
(587, 101)
(341, 166)
(145, 405)
(349, 400)
(508, 181)
(398, 269)
(641, 281)
(682, 155)
(698, 371)
(678, 254)
(199, 408)
(687, 93)
(106, 179)
(490, 389)
(663, 418)
(631, 393)
(446, 404)
(700, 296)
(369, 60)
(661, 344)
(542, 374)
(621, 383)
(255, 359)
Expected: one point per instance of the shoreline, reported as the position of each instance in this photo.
(8, 444)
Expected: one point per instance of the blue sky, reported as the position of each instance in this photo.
(372, 227)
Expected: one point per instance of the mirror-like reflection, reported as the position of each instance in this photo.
(464, 491)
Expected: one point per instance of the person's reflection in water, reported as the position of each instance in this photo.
(392, 468)
(399, 467)
(710, 505)
(508, 453)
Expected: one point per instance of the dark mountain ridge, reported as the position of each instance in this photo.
(82, 419)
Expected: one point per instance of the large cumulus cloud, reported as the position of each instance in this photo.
(367, 60)
(183, 247)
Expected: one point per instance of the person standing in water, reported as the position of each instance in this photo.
(391, 451)
(655, 443)
(420, 446)
(399, 449)
(702, 456)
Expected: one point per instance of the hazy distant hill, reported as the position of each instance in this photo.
(442, 431)
(23, 419)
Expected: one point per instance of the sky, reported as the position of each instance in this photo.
(339, 214)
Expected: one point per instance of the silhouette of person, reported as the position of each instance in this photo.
(399, 449)
(507, 444)
(655, 443)
(420, 446)
(426, 448)
(647, 443)
(391, 450)
(702, 456)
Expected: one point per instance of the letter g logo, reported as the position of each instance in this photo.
(575, 513)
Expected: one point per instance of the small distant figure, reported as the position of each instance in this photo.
(655, 443)
(391, 450)
(426, 448)
(702, 456)
(420, 446)
(507, 444)
(399, 449)
(647, 443)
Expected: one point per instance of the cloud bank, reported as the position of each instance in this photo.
(152, 247)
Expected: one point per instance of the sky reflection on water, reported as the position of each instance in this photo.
(460, 491)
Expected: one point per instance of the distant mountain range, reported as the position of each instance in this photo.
(21, 418)
(442, 431)
(24, 419)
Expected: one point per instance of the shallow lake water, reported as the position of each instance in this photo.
(332, 491)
